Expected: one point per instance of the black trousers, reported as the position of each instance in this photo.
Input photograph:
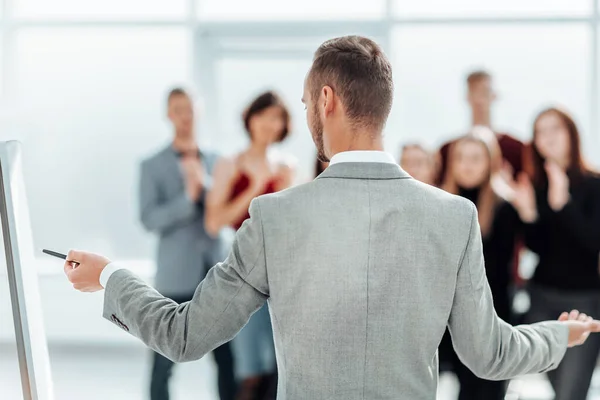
(471, 387)
(571, 380)
(162, 368)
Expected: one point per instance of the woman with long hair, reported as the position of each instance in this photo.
(474, 163)
(237, 181)
(559, 202)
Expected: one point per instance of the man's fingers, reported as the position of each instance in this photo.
(573, 315)
(75, 256)
(69, 269)
(564, 316)
(593, 326)
(582, 317)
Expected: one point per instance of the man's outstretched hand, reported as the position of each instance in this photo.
(84, 269)
(580, 326)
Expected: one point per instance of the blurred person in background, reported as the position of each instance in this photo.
(173, 189)
(238, 180)
(561, 212)
(474, 161)
(481, 96)
(420, 163)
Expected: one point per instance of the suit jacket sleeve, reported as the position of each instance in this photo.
(157, 215)
(222, 304)
(488, 346)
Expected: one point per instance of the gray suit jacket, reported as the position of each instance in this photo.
(363, 269)
(185, 250)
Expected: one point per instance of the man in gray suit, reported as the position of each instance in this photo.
(362, 268)
(173, 188)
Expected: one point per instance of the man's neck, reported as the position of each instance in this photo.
(185, 143)
(363, 141)
(481, 118)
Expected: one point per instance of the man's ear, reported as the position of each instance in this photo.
(329, 99)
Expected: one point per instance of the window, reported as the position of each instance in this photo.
(289, 10)
(533, 66)
(478, 8)
(93, 105)
(98, 10)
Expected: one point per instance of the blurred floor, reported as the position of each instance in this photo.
(109, 372)
(121, 373)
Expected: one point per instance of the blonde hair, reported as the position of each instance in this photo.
(432, 156)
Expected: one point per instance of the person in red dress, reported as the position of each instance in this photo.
(237, 181)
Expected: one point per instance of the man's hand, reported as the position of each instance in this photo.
(580, 326)
(84, 269)
(193, 175)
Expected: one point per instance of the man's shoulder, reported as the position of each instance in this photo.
(293, 194)
(507, 139)
(156, 157)
(437, 199)
(428, 197)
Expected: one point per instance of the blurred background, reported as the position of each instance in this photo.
(84, 83)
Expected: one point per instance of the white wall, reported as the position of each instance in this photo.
(69, 316)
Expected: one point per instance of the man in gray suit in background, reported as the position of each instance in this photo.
(173, 188)
(362, 268)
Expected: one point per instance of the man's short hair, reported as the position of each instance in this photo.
(177, 91)
(360, 74)
(477, 76)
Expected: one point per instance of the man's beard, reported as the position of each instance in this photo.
(316, 129)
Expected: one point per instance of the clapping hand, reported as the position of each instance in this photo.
(193, 175)
(259, 175)
(519, 193)
(558, 186)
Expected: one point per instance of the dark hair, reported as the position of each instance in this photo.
(262, 102)
(535, 162)
(318, 167)
(176, 91)
(477, 76)
(360, 74)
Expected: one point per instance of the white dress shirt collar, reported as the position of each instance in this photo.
(370, 156)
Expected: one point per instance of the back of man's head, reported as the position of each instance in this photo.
(360, 75)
